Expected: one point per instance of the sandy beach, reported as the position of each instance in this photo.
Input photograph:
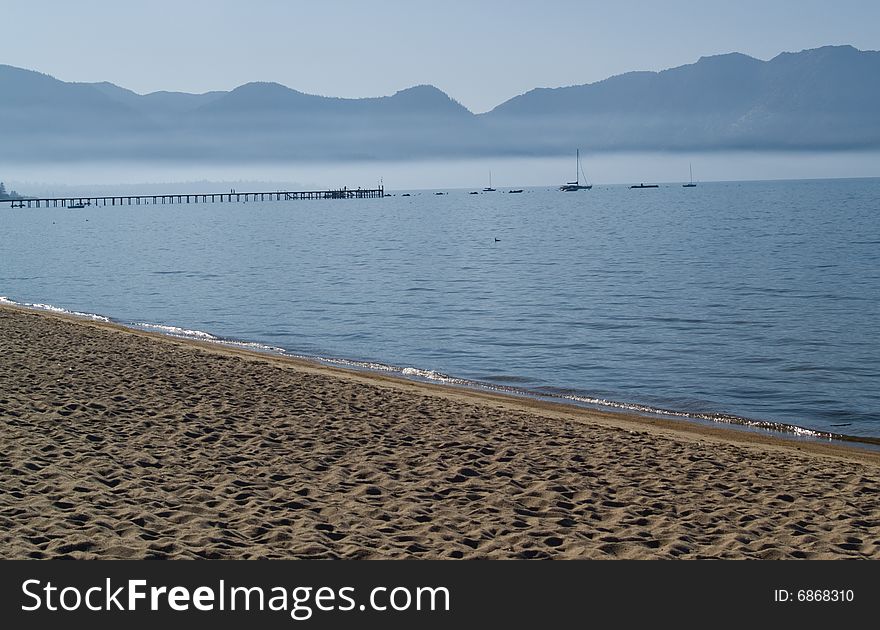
(124, 444)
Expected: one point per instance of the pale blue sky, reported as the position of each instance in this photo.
(479, 52)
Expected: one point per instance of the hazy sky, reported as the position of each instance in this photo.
(481, 52)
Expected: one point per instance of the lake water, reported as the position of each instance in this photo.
(759, 300)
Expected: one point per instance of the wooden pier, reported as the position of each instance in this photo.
(226, 197)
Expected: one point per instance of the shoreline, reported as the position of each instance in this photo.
(725, 421)
(123, 443)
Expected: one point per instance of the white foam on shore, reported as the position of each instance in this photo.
(201, 335)
(252, 345)
(778, 427)
(409, 372)
(54, 309)
(351, 363)
(439, 377)
(177, 331)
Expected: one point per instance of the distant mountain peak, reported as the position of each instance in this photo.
(263, 87)
(422, 88)
(831, 48)
(259, 95)
(841, 52)
(428, 97)
(731, 57)
(23, 71)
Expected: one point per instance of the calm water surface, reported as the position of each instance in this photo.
(760, 300)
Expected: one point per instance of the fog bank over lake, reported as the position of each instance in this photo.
(95, 176)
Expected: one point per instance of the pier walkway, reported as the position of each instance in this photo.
(227, 197)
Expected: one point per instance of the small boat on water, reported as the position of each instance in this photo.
(690, 184)
(473, 192)
(515, 191)
(489, 187)
(576, 184)
(645, 186)
(439, 193)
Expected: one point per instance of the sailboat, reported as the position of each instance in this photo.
(489, 187)
(690, 184)
(576, 184)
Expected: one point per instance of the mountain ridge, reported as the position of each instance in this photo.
(822, 98)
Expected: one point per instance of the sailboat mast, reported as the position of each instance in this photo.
(691, 166)
(577, 167)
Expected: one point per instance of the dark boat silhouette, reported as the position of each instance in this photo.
(691, 183)
(644, 186)
(489, 187)
(576, 184)
(515, 191)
